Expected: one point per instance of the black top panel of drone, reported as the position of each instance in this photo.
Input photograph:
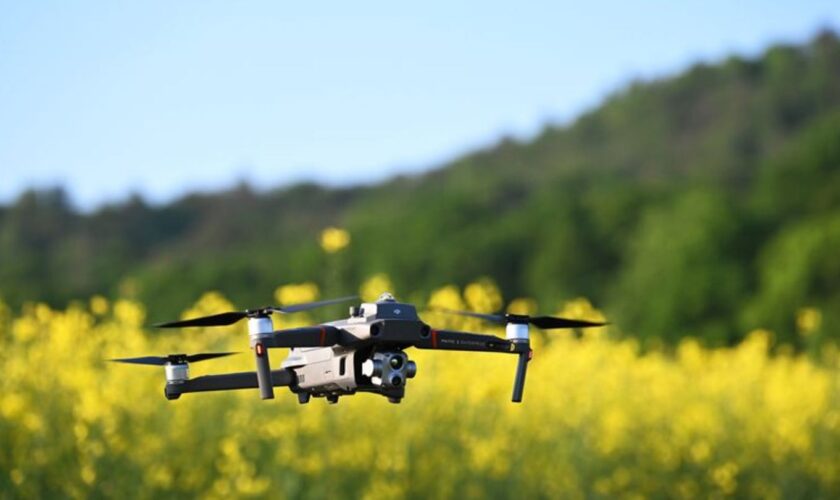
(395, 310)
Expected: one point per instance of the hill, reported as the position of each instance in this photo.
(706, 203)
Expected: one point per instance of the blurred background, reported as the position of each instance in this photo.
(674, 169)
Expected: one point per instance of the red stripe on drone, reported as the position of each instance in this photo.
(434, 339)
(323, 336)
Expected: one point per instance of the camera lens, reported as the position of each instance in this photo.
(396, 381)
(396, 362)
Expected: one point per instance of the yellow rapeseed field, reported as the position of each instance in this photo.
(600, 418)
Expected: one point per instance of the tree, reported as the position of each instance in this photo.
(681, 276)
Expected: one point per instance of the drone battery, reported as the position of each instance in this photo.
(324, 370)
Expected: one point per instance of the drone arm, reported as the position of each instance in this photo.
(463, 341)
(227, 382)
(310, 336)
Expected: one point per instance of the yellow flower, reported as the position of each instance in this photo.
(12, 405)
(581, 308)
(522, 305)
(599, 417)
(334, 239)
(374, 286)
(446, 297)
(725, 477)
(483, 296)
(99, 305)
(209, 303)
(130, 313)
(808, 319)
(88, 474)
(295, 293)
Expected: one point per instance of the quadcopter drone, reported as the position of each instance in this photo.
(362, 353)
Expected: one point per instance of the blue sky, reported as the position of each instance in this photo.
(161, 98)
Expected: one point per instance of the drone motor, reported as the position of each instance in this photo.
(177, 373)
(260, 326)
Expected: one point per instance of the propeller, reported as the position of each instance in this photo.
(172, 358)
(519, 337)
(229, 318)
(544, 322)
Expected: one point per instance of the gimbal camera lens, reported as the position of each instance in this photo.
(396, 362)
(396, 380)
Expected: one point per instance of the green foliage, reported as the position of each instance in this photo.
(799, 268)
(671, 205)
(805, 178)
(683, 262)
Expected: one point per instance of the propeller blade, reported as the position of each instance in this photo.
(229, 318)
(306, 306)
(551, 322)
(194, 358)
(544, 322)
(145, 360)
(223, 319)
(172, 358)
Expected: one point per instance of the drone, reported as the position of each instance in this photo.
(365, 352)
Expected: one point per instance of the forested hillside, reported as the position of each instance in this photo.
(705, 204)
